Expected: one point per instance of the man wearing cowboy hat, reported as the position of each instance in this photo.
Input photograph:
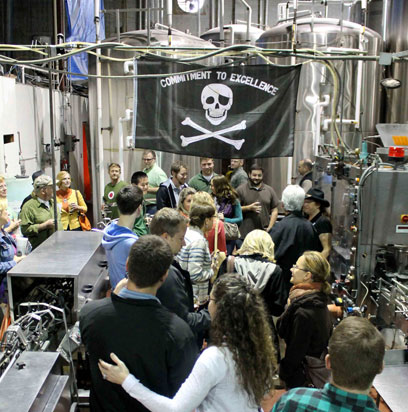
(315, 208)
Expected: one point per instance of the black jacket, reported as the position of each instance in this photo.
(292, 236)
(155, 344)
(176, 294)
(165, 196)
(306, 327)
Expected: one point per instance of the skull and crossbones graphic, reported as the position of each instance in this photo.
(216, 100)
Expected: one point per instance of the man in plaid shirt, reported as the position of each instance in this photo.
(356, 353)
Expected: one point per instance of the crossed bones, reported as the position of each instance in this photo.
(185, 141)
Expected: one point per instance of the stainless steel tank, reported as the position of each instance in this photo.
(117, 97)
(389, 18)
(233, 34)
(316, 84)
(395, 21)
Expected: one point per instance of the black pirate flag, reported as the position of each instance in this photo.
(243, 111)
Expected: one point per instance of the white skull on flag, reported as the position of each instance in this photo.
(216, 100)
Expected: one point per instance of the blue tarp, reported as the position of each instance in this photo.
(81, 27)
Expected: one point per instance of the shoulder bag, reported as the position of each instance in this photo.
(83, 220)
(217, 257)
(317, 375)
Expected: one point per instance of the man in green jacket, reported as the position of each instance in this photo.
(37, 215)
(201, 181)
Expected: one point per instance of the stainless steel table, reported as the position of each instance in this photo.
(392, 386)
(65, 254)
(31, 385)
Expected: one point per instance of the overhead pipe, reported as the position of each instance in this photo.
(168, 13)
(266, 13)
(221, 22)
(211, 14)
(148, 18)
(126, 118)
(249, 20)
(97, 194)
(52, 146)
(198, 18)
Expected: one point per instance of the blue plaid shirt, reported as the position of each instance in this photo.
(329, 398)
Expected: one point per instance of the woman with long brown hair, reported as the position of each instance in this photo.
(228, 207)
(234, 373)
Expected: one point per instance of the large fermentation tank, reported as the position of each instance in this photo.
(389, 18)
(316, 89)
(233, 34)
(275, 169)
(117, 97)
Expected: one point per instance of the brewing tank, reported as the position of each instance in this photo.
(359, 83)
(233, 34)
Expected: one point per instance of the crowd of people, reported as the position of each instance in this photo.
(207, 282)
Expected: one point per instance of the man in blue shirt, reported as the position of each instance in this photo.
(356, 354)
(118, 237)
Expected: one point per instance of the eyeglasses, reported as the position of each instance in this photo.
(148, 160)
(298, 268)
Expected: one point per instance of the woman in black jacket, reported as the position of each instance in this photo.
(306, 324)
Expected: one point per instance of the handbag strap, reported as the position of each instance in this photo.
(230, 264)
(216, 236)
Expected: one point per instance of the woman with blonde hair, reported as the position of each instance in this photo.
(71, 201)
(255, 262)
(204, 198)
(233, 374)
(306, 324)
(185, 199)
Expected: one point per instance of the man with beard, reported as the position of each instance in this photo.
(169, 191)
(259, 203)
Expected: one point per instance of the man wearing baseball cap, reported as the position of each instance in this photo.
(37, 215)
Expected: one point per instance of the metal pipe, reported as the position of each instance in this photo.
(211, 14)
(148, 26)
(161, 11)
(55, 20)
(198, 18)
(126, 118)
(259, 12)
(168, 13)
(99, 136)
(249, 17)
(52, 141)
(266, 13)
(118, 24)
(221, 22)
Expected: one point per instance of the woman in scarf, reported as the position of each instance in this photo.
(306, 324)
